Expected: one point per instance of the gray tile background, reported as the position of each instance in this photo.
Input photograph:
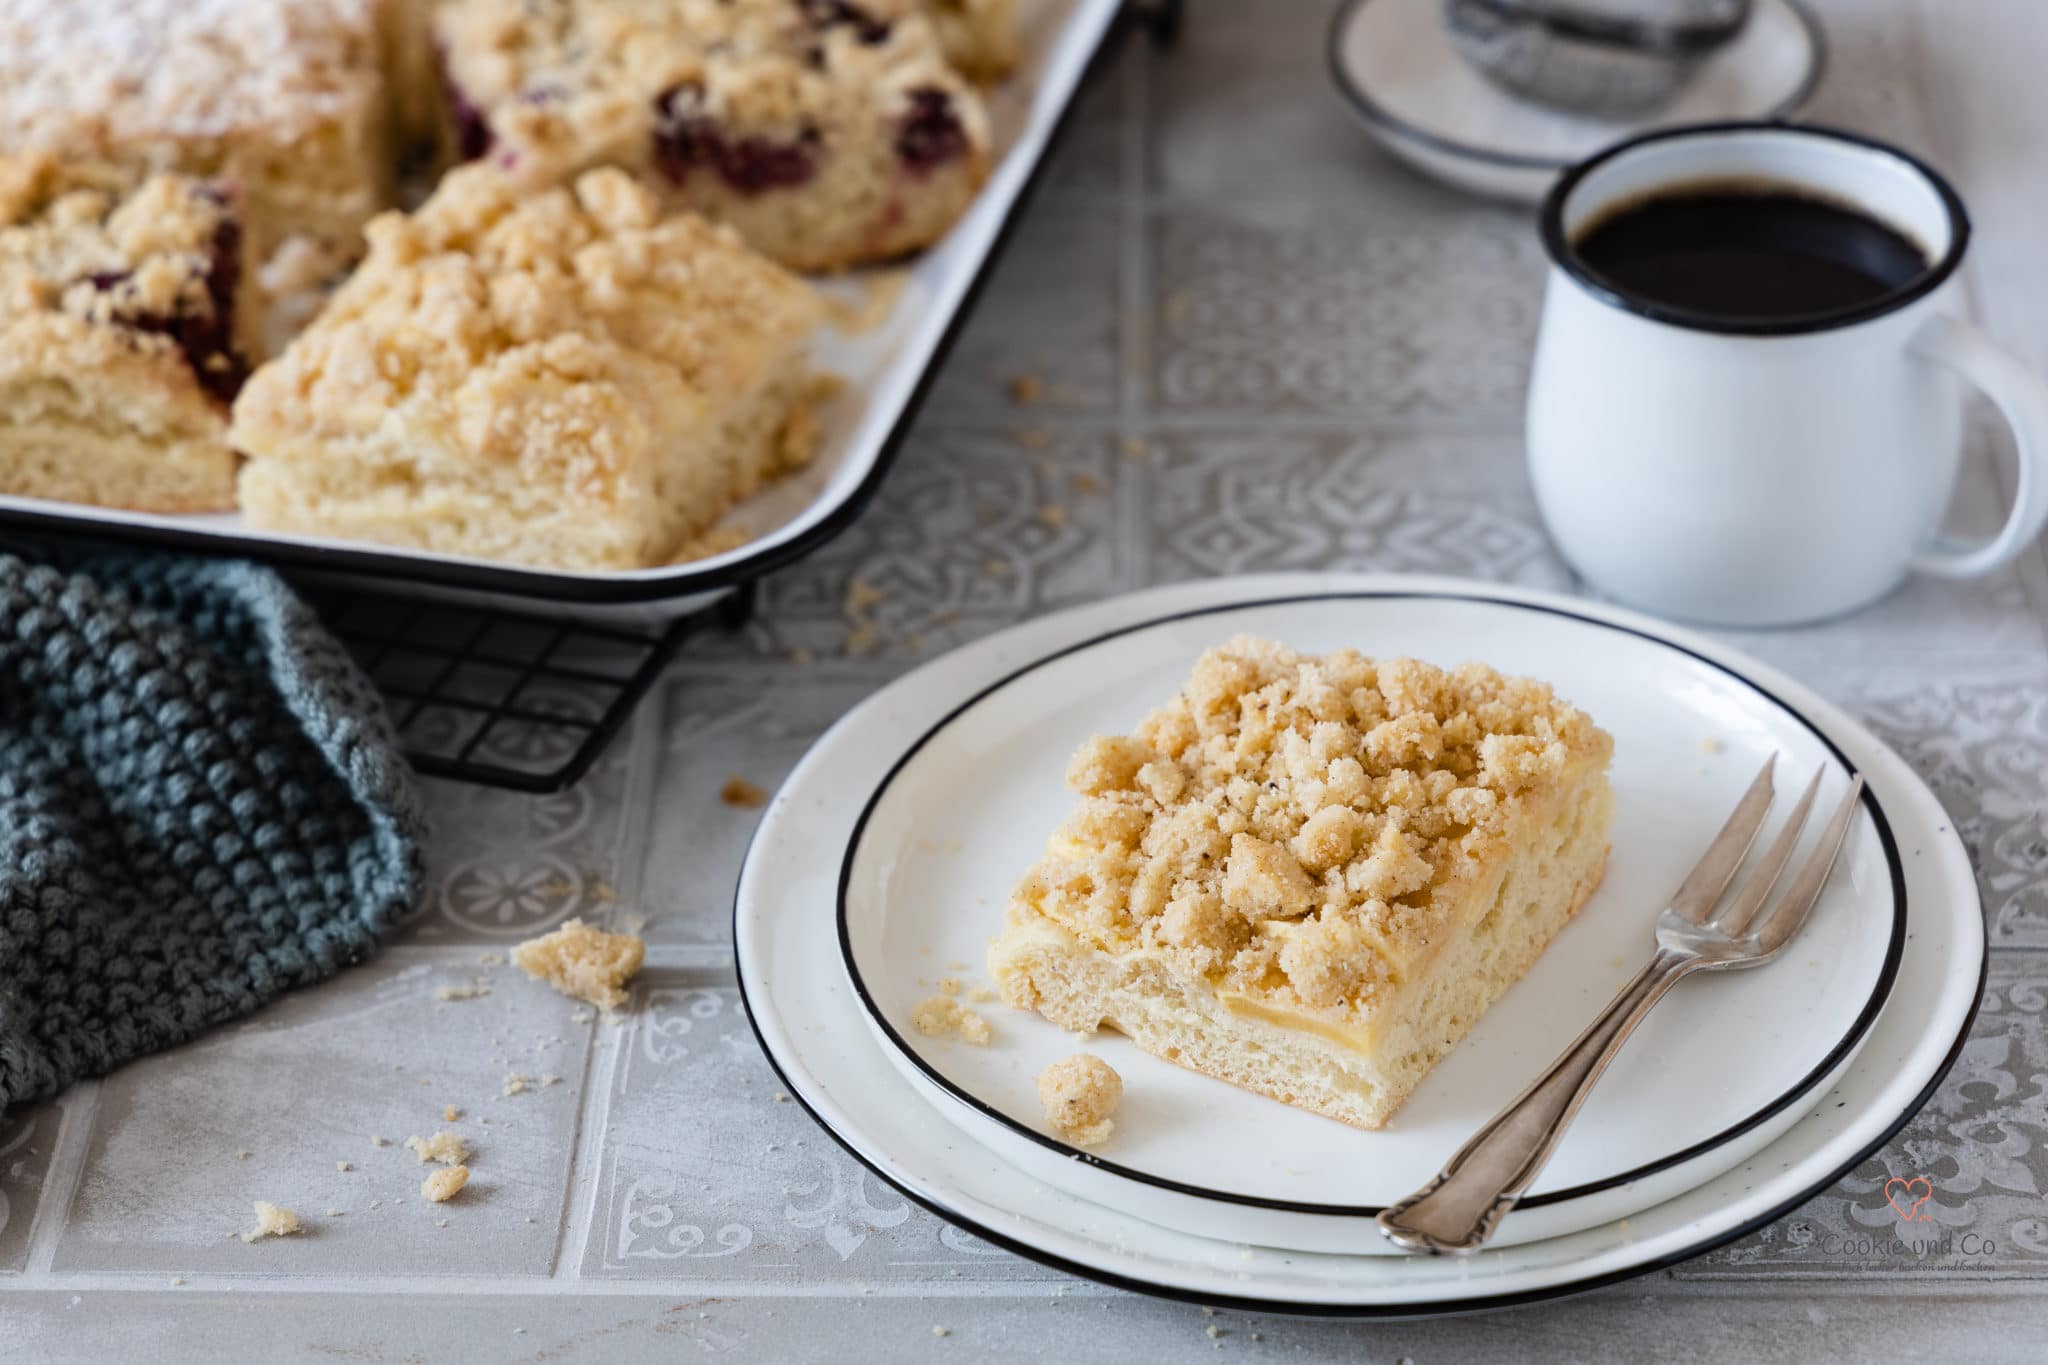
(1261, 346)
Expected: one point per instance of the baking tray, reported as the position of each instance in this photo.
(888, 366)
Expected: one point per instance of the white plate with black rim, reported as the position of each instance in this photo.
(880, 1105)
(1709, 1079)
(1394, 65)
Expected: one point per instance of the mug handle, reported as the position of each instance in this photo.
(2023, 399)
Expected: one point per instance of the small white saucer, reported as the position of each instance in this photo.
(1394, 64)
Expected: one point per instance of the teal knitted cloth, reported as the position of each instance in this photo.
(201, 806)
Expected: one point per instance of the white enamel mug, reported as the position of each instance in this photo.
(1758, 473)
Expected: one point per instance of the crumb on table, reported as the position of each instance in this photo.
(583, 962)
(444, 1184)
(737, 791)
(1079, 1095)
(1025, 389)
(272, 1220)
(469, 990)
(444, 1147)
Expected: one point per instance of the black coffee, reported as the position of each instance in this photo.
(1748, 254)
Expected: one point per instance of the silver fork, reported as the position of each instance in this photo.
(1455, 1213)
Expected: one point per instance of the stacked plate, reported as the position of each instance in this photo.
(885, 861)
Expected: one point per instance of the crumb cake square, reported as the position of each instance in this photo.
(562, 378)
(979, 37)
(120, 312)
(828, 133)
(282, 98)
(1311, 876)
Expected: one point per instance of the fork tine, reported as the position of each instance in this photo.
(1790, 913)
(1716, 867)
(1734, 917)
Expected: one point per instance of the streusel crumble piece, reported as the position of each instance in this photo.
(120, 318)
(1080, 1096)
(829, 133)
(1311, 876)
(285, 99)
(583, 963)
(560, 378)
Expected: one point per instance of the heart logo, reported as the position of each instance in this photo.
(1906, 1197)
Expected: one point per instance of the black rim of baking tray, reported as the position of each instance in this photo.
(1306, 1309)
(1373, 112)
(524, 702)
(541, 586)
(1800, 1089)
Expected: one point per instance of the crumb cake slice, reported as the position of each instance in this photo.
(284, 99)
(829, 133)
(562, 379)
(1311, 876)
(119, 321)
(978, 36)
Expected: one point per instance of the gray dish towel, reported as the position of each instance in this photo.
(202, 806)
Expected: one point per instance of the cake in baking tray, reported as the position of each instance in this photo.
(829, 133)
(1309, 876)
(121, 315)
(284, 99)
(563, 378)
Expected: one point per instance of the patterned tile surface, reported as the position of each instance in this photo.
(1259, 345)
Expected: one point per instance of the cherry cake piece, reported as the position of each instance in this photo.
(122, 314)
(830, 133)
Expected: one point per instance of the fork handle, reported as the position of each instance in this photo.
(1456, 1212)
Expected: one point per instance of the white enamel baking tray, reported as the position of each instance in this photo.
(888, 362)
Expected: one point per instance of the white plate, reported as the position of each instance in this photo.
(1711, 1077)
(1394, 64)
(885, 367)
(810, 1023)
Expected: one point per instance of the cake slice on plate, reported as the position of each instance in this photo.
(1310, 877)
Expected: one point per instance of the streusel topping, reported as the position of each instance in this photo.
(161, 263)
(590, 78)
(77, 74)
(1301, 828)
(573, 311)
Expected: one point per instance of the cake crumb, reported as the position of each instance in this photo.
(939, 1331)
(272, 1220)
(334, 1213)
(517, 1083)
(1025, 390)
(737, 791)
(1134, 448)
(344, 1165)
(938, 1015)
(864, 638)
(376, 1141)
(583, 963)
(449, 1113)
(443, 1185)
(782, 1097)
(1084, 484)
(490, 959)
(242, 1155)
(444, 1147)
(582, 1016)
(1079, 1095)
(949, 985)
(469, 990)
(177, 1280)
(1053, 515)
(861, 597)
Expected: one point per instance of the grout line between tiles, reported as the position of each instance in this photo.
(78, 1107)
(583, 1190)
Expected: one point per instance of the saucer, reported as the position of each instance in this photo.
(1394, 64)
(815, 1032)
(1709, 1079)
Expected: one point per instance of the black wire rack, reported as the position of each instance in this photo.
(502, 698)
